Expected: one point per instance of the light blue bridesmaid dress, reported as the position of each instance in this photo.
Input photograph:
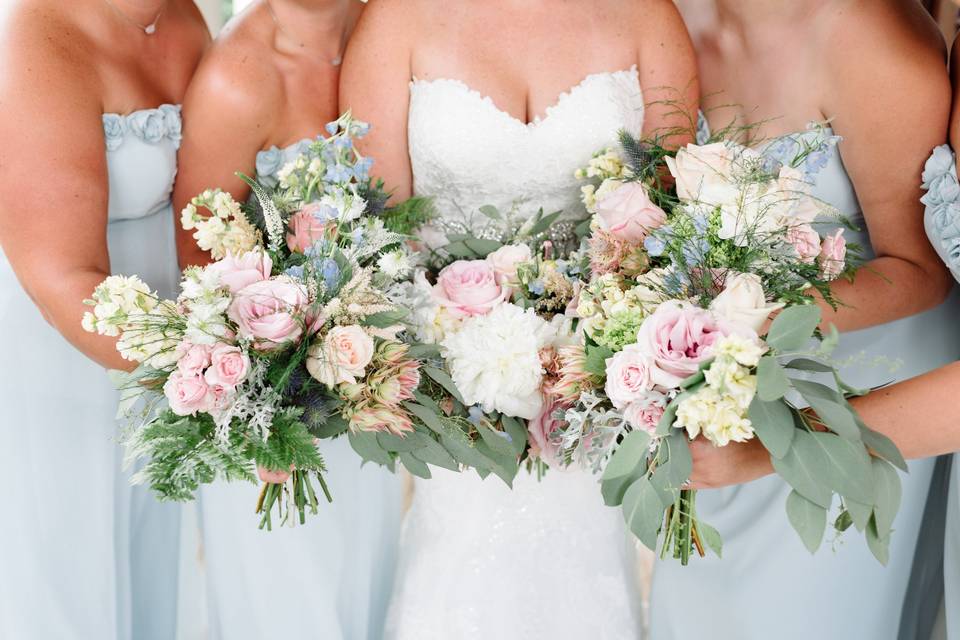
(83, 555)
(329, 579)
(942, 221)
(768, 585)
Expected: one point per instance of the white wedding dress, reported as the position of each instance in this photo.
(547, 559)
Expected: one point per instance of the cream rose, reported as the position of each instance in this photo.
(628, 214)
(743, 302)
(505, 260)
(341, 357)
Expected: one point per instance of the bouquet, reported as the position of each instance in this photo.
(684, 273)
(291, 337)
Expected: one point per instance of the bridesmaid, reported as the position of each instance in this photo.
(788, 66)
(916, 413)
(267, 87)
(88, 141)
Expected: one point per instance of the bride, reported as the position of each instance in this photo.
(498, 102)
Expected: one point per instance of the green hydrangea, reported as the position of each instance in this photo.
(620, 330)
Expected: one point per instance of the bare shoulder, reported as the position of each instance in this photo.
(402, 21)
(898, 36)
(46, 53)
(238, 76)
(652, 16)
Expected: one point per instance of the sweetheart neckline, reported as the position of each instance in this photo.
(143, 110)
(538, 120)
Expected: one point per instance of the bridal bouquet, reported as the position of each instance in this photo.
(291, 337)
(678, 345)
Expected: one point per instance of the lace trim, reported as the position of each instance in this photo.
(632, 72)
(942, 201)
(150, 125)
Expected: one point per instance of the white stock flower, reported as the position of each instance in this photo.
(730, 378)
(718, 417)
(494, 360)
(745, 351)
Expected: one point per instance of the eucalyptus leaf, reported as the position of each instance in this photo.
(504, 467)
(482, 247)
(832, 410)
(803, 467)
(434, 453)
(612, 490)
(630, 454)
(793, 327)
(386, 319)
(643, 512)
(543, 224)
(773, 422)
(459, 249)
(444, 380)
(660, 479)
(806, 364)
(808, 519)
(517, 432)
(394, 443)
(415, 466)
(772, 382)
(497, 441)
(665, 425)
(681, 462)
(710, 537)
(882, 446)
(366, 445)
(491, 212)
(596, 361)
(888, 495)
(860, 513)
(847, 467)
(879, 547)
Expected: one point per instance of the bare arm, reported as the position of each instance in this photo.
(668, 75)
(892, 108)
(226, 118)
(53, 185)
(374, 85)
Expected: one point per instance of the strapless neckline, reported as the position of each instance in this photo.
(538, 120)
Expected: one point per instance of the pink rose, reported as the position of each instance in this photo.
(833, 255)
(540, 431)
(680, 337)
(341, 357)
(645, 415)
(187, 395)
(228, 366)
(505, 260)
(629, 376)
(219, 398)
(192, 359)
(239, 272)
(304, 228)
(805, 241)
(628, 214)
(468, 288)
(270, 312)
(273, 477)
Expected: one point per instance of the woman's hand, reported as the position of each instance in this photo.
(736, 463)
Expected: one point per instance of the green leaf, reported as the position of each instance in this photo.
(793, 327)
(888, 495)
(681, 462)
(366, 445)
(806, 364)
(386, 319)
(596, 361)
(665, 425)
(882, 446)
(860, 513)
(660, 479)
(397, 444)
(630, 454)
(504, 467)
(428, 417)
(434, 453)
(802, 467)
(544, 223)
(643, 512)
(491, 212)
(847, 470)
(496, 441)
(517, 432)
(710, 537)
(612, 490)
(843, 522)
(445, 381)
(694, 381)
(773, 422)
(879, 547)
(482, 247)
(424, 351)
(808, 519)
(415, 466)
(831, 408)
(772, 382)
(459, 250)
(334, 426)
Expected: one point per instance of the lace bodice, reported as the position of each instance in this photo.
(467, 153)
(141, 160)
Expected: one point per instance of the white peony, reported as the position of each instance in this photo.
(495, 360)
(743, 301)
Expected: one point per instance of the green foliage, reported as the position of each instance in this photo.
(289, 443)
